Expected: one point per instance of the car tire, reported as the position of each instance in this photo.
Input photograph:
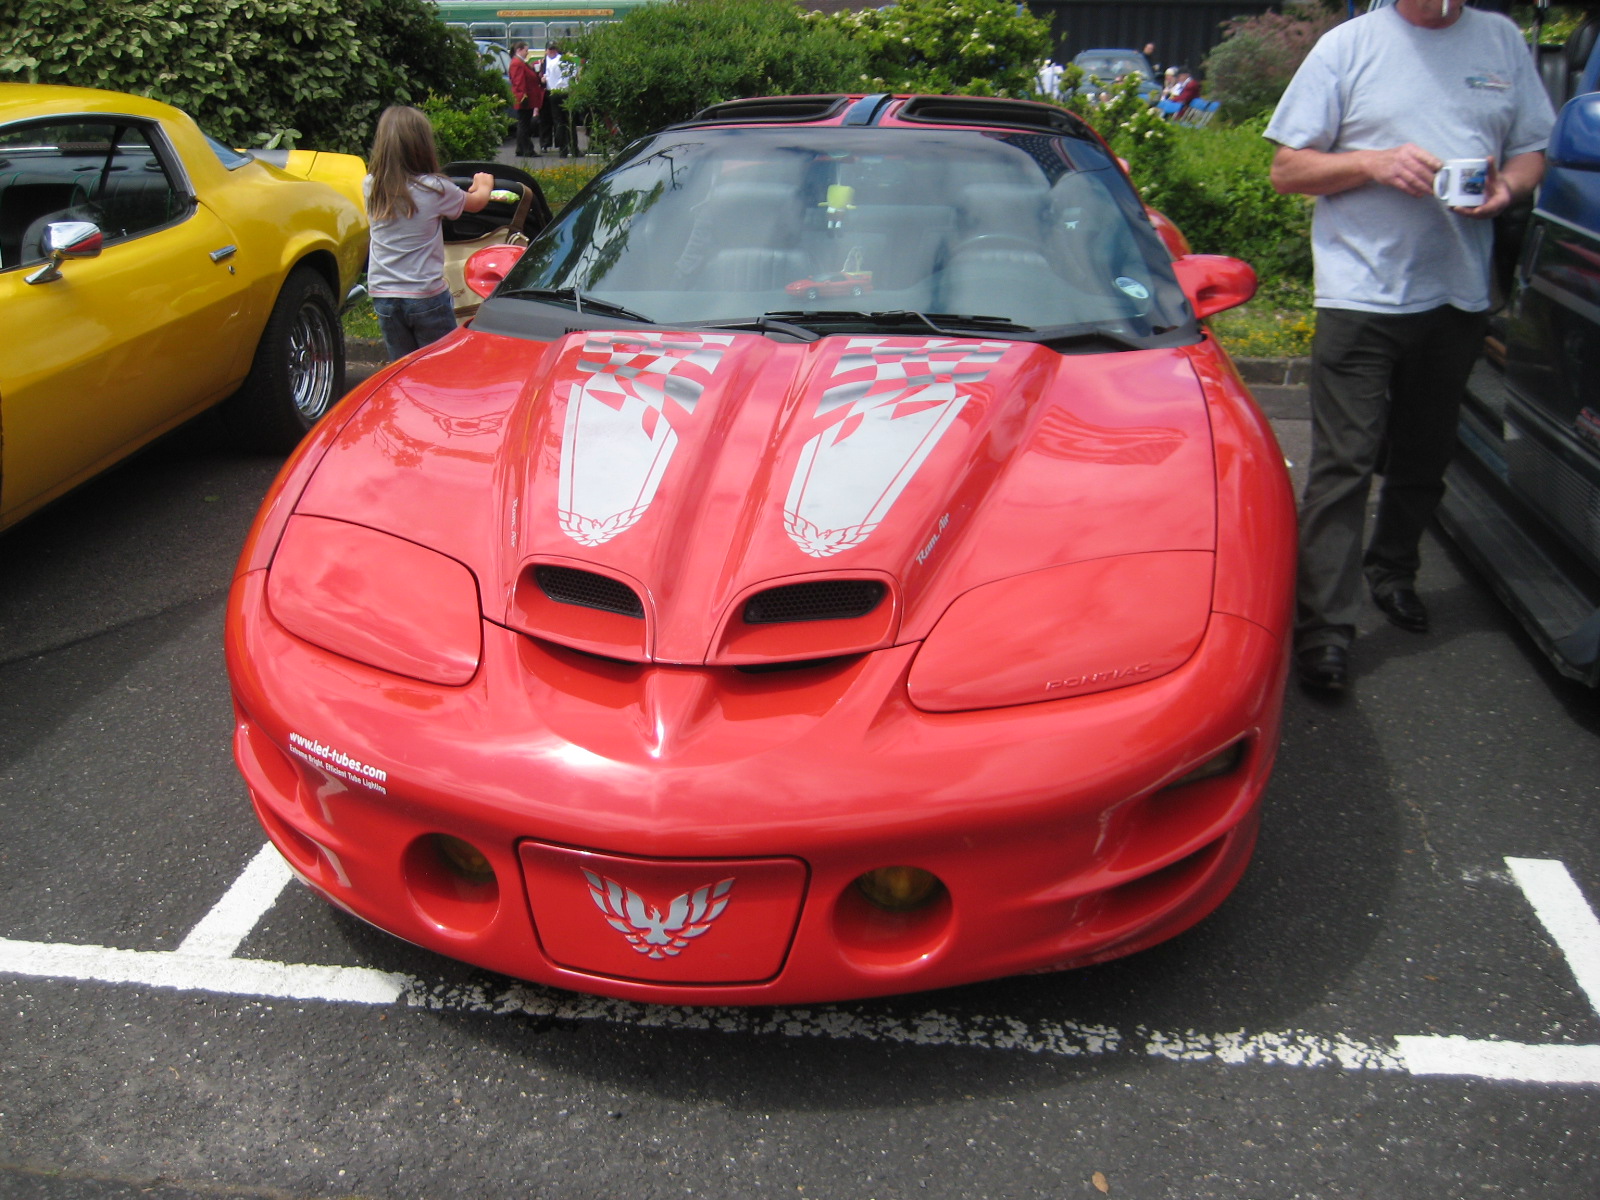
(298, 371)
(856, 290)
(811, 293)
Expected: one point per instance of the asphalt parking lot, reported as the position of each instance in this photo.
(1402, 998)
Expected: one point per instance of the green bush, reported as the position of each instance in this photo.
(1216, 189)
(249, 69)
(467, 134)
(962, 47)
(664, 62)
(1248, 70)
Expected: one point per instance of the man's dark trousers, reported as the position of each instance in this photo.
(1386, 392)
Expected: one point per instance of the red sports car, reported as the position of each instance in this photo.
(653, 638)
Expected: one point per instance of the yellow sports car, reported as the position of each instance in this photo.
(148, 272)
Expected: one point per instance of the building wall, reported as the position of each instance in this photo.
(1184, 31)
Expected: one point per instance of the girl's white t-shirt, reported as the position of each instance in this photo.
(407, 254)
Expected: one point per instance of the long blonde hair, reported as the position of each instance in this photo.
(402, 150)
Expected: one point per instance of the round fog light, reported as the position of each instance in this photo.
(900, 889)
(463, 859)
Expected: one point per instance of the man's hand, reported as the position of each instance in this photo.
(1406, 168)
(1518, 178)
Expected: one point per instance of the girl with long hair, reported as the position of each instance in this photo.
(407, 199)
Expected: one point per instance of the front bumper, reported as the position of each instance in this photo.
(1053, 826)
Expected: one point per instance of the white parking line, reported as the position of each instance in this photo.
(205, 962)
(1571, 924)
(201, 973)
(1566, 916)
(223, 929)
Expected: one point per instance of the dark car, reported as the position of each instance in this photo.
(1523, 497)
(1102, 68)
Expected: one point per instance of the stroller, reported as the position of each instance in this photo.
(500, 222)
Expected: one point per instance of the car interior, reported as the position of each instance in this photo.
(866, 233)
(106, 173)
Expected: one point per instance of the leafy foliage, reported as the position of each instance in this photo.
(664, 62)
(1249, 69)
(251, 69)
(471, 133)
(1216, 188)
(960, 47)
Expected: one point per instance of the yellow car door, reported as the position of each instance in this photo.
(113, 350)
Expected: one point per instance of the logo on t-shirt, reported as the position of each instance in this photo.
(1488, 81)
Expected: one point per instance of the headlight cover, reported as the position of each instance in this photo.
(1065, 631)
(378, 599)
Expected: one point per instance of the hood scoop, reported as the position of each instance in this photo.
(820, 600)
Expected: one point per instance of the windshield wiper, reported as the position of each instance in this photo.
(583, 304)
(951, 322)
(763, 324)
(1057, 337)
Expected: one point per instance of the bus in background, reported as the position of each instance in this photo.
(537, 22)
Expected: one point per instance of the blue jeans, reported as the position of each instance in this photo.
(409, 322)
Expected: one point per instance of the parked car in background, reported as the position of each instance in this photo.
(671, 635)
(1523, 496)
(1108, 66)
(148, 272)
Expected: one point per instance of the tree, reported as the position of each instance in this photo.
(247, 69)
(959, 47)
(1249, 69)
(664, 62)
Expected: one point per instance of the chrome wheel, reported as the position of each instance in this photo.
(310, 366)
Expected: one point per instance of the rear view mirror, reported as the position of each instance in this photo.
(1214, 283)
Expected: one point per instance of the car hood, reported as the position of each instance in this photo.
(611, 476)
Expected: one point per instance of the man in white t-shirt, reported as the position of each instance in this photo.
(555, 121)
(1402, 285)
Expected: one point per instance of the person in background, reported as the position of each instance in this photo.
(1185, 90)
(1048, 80)
(1402, 285)
(407, 200)
(527, 97)
(556, 127)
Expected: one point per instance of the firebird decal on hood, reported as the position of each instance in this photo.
(619, 434)
(891, 402)
(647, 931)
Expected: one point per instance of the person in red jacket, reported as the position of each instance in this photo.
(1185, 90)
(527, 96)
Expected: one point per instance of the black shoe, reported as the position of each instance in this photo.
(1404, 608)
(1323, 668)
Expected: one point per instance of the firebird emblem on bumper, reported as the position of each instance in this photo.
(648, 932)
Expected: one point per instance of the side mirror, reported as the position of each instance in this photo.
(1214, 283)
(64, 240)
(1575, 140)
(486, 268)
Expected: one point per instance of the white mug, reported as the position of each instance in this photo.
(1463, 182)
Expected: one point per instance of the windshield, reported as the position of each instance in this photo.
(1108, 67)
(873, 228)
